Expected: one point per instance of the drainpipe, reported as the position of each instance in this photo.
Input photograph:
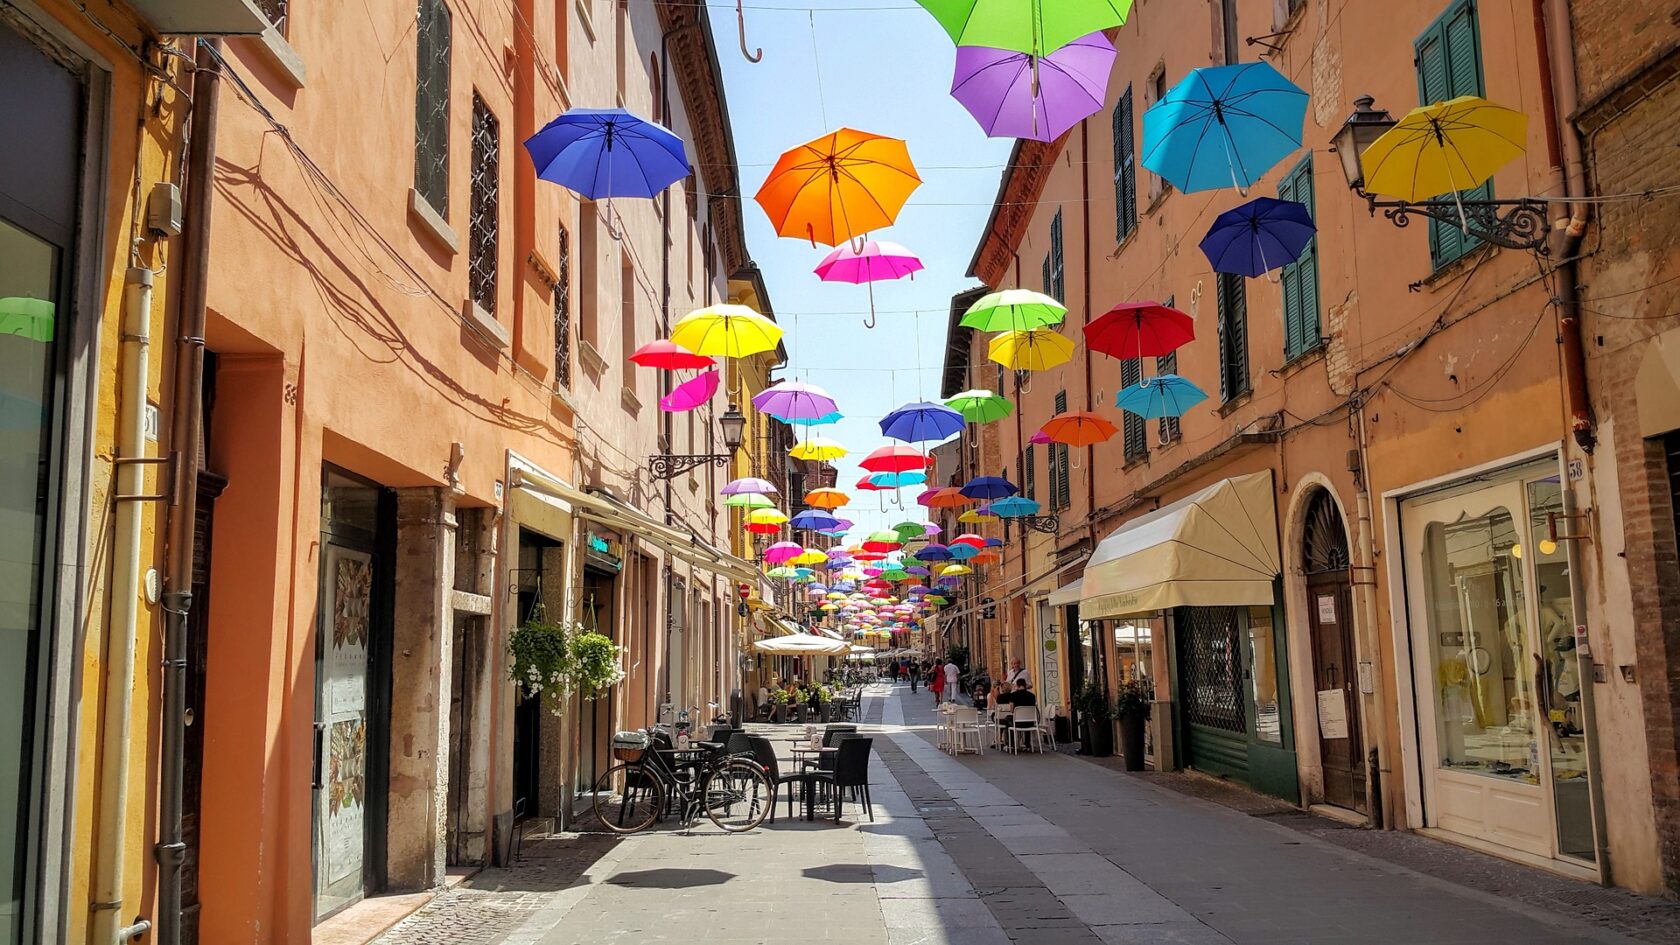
(1555, 40)
(184, 437)
(117, 710)
(1377, 780)
(1085, 278)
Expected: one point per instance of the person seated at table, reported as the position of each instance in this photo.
(1023, 695)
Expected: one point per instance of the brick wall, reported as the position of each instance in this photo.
(1614, 38)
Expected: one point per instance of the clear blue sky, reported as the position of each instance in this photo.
(886, 71)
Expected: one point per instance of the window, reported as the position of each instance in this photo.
(1300, 278)
(658, 107)
(1228, 30)
(692, 201)
(562, 39)
(621, 35)
(486, 205)
(589, 274)
(1054, 284)
(1059, 485)
(1029, 472)
(276, 11)
(431, 106)
(1449, 63)
(627, 316)
(563, 310)
(1233, 337)
(1133, 428)
(1167, 427)
(1158, 186)
(1125, 169)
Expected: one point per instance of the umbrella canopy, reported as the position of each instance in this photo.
(949, 497)
(956, 570)
(690, 394)
(813, 421)
(1443, 148)
(748, 500)
(726, 331)
(868, 484)
(797, 644)
(1039, 438)
(783, 551)
(1259, 236)
(989, 487)
(922, 422)
(810, 556)
(933, 552)
(1015, 507)
(876, 261)
(826, 498)
(978, 516)
(910, 530)
(894, 459)
(814, 520)
(1013, 310)
(898, 480)
(669, 356)
(883, 541)
(980, 406)
(781, 573)
(838, 186)
(970, 539)
(748, 486)
(1036, 350)
(1139, 330)
(791, 399)
(1016, 94)
(1030, 26)
(1165, 395)
(607, 152)
(1079, 428)
(1223, 126)
(767, 517)
(819, 449)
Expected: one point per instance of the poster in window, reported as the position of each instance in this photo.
(1332, 713)
(346, 799)
(349, 606)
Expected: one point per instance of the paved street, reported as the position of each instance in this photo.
(1036, 849)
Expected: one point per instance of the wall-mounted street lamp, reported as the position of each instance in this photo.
(1513, 224)
(732, 425)
(1048, 524)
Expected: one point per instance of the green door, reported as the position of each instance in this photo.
(1231, 692)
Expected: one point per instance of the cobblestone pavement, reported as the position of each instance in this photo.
(1038, 850)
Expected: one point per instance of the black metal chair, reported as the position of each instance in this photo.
(851, 773)
(764, 753)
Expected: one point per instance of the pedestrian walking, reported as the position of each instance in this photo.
(914, 672)
(936, 685)
(950, 674)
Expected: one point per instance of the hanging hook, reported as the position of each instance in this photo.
(741, 31)
(870, 321)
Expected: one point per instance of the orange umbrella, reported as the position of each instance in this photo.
(839, 186)
(826, 498)
(1078, 428)
(949, 497)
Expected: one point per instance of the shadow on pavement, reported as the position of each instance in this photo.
(863, 873)
(671, 878)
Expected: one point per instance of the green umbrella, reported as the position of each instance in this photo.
(30, 318)
(1036, 27)
(980, 406)
(1014, 310)
(749, 500)
(910, 530)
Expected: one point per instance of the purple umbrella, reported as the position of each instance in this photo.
(791, 400)
(691, 393)
(748, 486)
(1017, 95)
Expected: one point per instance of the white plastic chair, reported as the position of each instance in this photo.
(1024, 727)
(1047, 723)
(967, 732)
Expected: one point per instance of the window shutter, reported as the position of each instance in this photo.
(1300, 278)
(1167, 364)
(1048, 285)
(1132, 427)
(1449, 63)
(1125, 169)
(1056, 278)
(1233, 337)
(1029, 473)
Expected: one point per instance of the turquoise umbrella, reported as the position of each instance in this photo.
(1223, 126)
(1165, 395)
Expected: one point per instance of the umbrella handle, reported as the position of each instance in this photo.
(741, 31)
(870, 321)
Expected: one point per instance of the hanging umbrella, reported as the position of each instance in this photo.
(826, 498)
(774, 517)
(1078, 428)
(980, 516)
(980, 406)
(812, 421)
(838, 186)
(949, 497)
(727, 331)
(1016, 94)
(1015, 507)
(1029, 26)
(926, 494)
(994, 542)
(868, 484)
(814, 520)
(989, 487)
(690, 394)
(1259, 236)
(669, 356)
(791, 399)
(922, 422)
(894, 459)
(898, 480)
(781, 573)
(874, 261)
(1165, 395)
(910, 530)
(986, 557)
(783, 551)
(810, 556)
(1036, 350)
(1039, 438)
(748, 500)
(748, 486)
(1139, 330)
(607, 152)
(1443, 148)
(933, 552)
(819, 449)
(1223, 126)
(1013, 310)
(956, 570)
(883, 541)
(970, 539)
(26, 317)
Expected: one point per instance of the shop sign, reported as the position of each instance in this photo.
(605, 552)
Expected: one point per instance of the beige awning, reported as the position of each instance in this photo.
(802, 644)
(1217, 547)
(1067, 593)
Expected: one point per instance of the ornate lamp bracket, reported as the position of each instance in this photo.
(667, 466)
(1513, 224)
(1048, 524)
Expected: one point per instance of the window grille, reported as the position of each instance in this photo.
(431, 105)
(275, 10)
(486, 199)
(563, 311)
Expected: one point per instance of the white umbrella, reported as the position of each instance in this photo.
(801, 644)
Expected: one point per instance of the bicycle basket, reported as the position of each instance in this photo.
(630, 746)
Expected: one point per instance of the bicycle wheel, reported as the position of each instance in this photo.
(628, 798)
(737, 795)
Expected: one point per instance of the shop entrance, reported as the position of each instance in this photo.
(539, 574)
(1341, 746)
(1231, 686)
(600, 586)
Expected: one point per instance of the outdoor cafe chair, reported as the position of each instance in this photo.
(967, 730)
(1024, 727)
(850, 774)
(764, 753)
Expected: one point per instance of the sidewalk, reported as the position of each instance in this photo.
(1037, 849)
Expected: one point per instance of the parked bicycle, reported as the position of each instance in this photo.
(648, 781)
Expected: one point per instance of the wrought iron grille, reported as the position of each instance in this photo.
(486, 199)
(1210, 667)
(431, 105)
(563, 310)
(1324, 538)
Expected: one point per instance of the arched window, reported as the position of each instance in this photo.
(1324, 545)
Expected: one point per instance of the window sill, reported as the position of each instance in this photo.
(1453, 267)
(1304, 358)
(1235, 403)
(585, 20)
(1156, 199)
(1124, 242)
(491, 330)
(563, 397)
(1134, 463)
(628, 398)
(591, 358)
(420, 211)
(278, 53)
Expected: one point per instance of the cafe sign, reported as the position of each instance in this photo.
(605, 552)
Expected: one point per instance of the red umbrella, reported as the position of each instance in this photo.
(669, 356)
(1139, 330)
(949, 497)
(866, 485)
(969, 539)
(1078, 428)
(894, 459)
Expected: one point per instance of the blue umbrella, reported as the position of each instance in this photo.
(1264, 234)
(933, 552)
(988, 487)
(607, 152)
(1014, 507)
(921, 422)
(998, 542)
(1165, 395)
(895, 480)
(814, 520)
(962, 551)
(1223, 126)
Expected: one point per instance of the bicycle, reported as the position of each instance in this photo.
(732, 791)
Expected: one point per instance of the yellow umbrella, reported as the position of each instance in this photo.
(813, 556)
(726, 331)
(766, 517)
(1036, 350)
(1444, 148)
(826, 498)
(818, 448)
(955, 570)
(975, 515)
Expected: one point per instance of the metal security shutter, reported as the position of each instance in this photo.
(1211, 691)
(1448, 56)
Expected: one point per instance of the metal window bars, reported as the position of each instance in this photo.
(483, 220)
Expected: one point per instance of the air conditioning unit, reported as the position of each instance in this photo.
(203, 17)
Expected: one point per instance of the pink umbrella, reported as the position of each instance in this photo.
(1039, 438)
(876, 261)
(783, 551)
(691, 393)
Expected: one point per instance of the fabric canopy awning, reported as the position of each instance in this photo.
(1067, 593)
(1215, 548)
(802, 644)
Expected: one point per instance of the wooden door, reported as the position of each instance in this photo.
(1341, 745)
(210, 486)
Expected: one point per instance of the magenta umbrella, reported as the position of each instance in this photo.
(1017, 95)
(876, 261)
(782, 551)
(691, 393)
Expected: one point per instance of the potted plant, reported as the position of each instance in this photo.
(541, 662)
(1096, 719)
(779, 706)
(1132, 701)
(825, 700)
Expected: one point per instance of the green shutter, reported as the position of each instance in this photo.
(1300, 277)
(1125, 169)
(1449, 63)
(1132, 427)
